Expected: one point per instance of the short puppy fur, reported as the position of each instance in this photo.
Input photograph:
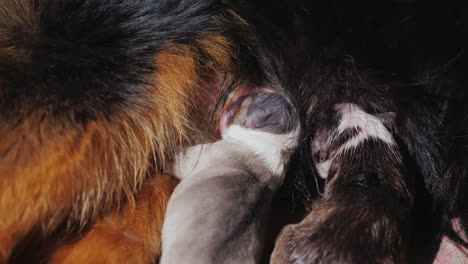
(219, 211)
(366, 196)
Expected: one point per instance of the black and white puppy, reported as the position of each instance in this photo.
(218, 213)
(357, 156)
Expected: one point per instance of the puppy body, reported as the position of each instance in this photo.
(218, 213)
(363, 213)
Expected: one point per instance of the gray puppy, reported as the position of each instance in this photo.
(218, 213)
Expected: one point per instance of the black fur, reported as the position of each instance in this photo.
(406, 57)
(86, 57)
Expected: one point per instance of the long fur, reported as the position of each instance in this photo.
(130, 235)
(95, 95)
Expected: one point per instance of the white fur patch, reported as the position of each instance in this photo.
(268, 146)
(323, 168)
(352, 116)
(186, 162)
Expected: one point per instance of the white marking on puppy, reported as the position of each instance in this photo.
(323, 168)
(186, 161)
(268, 146)
(352, 116)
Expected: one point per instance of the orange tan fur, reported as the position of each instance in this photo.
(134, 230)
(85, 171)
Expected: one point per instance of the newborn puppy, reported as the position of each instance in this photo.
(218, 213)
(364, 214)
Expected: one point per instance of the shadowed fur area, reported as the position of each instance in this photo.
(406, 57)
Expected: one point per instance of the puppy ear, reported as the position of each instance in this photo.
(387, 119)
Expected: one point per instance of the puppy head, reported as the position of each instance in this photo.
(266, 122)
